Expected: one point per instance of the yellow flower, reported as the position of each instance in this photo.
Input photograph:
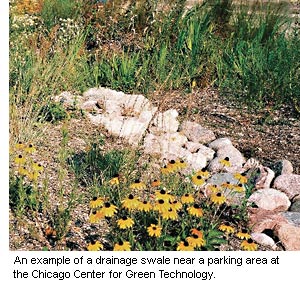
(122, 246)
(176, 204)
(199, 233)
(19, 146)
(187, 198)
(33, 176)
(161, 205)
(94, 246)
(30, 148)
(23, 171)
(115, 180)
(226, 228)
(243, 235)
(130, 202)
(198, 180)
(203, 173)
(249, 245)
(162, 194)
(155, 183)
(195, 210)
(37, 167)
(227, 185)
(165, 170)
(217, 198)
(144, 206)
(20, 160)
(125, 222)
(170, 214)
(181, 164)
(185, 246)
(96, 216)
(225, 162)
(196, 240)
(214, 188)
(239, 188)
(97, 202)
(241, 177)
(137, 185)
(154, 230)
(108, 209)
(172, 165)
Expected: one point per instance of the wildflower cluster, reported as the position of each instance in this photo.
(68, 30)
(165, 213)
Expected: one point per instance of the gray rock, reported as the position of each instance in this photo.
(292, 217)
(295, 206)
(289, 184)
(196, 133)
(68, 100)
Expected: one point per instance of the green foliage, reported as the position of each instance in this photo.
(53, 112)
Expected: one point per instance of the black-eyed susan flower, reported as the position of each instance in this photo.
(170, 214)
(213, 188)
(161, 205)
(241, 177)
(154, 230)
(115, 180)
(138, 185)
(239, 188)
(199, 233)
(225, 162)
(96, 216)
(125, 222)
(203, 173)
(198, 180)
(94, 246)
(176, 204)
(22, 171)
(195, 210)
(162, 194)
(19, 146)
(20, 160)
(217, 198)
(226, 228)
(249, 245)
(122, 246)
(243, 234)
(97, 202)
(227, 185)
(37, 167)
(187, 198)
(108, 209)
(172, 165)
(30, 148)
(130, 202)
(196, 240)
(181, 164)
(184, 246)
(165, 170)
(155, 183)
(33, 176)
(144, 206)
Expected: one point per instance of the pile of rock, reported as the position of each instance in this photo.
(137, 121)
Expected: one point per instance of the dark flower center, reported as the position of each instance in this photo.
(95, 198)
(196, 206)
(185, 243)
(186, 195)
(219, 194)
(155, 180)
(121, 243)
(30, 146)
(227, 224)
(240, 185)
(161, 201)
(20, 156)
(162, 192)
(94, 212)
(130, 197)
(107, 204)
(116, 175)
(154, 228)
(199, 177)
(195, 236)
(145, 202)
(137, 181)
(172, 161)
(226, 158)
(170, 209)
(250, 241)
(244, 230)
(93, 242)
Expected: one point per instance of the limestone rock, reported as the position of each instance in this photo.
(165, 122)
(289, 235)
(263, 239)
(196, 133)
(289, 184)
(68, 100)
(265, 178)
(220, 143)
(270, 199)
